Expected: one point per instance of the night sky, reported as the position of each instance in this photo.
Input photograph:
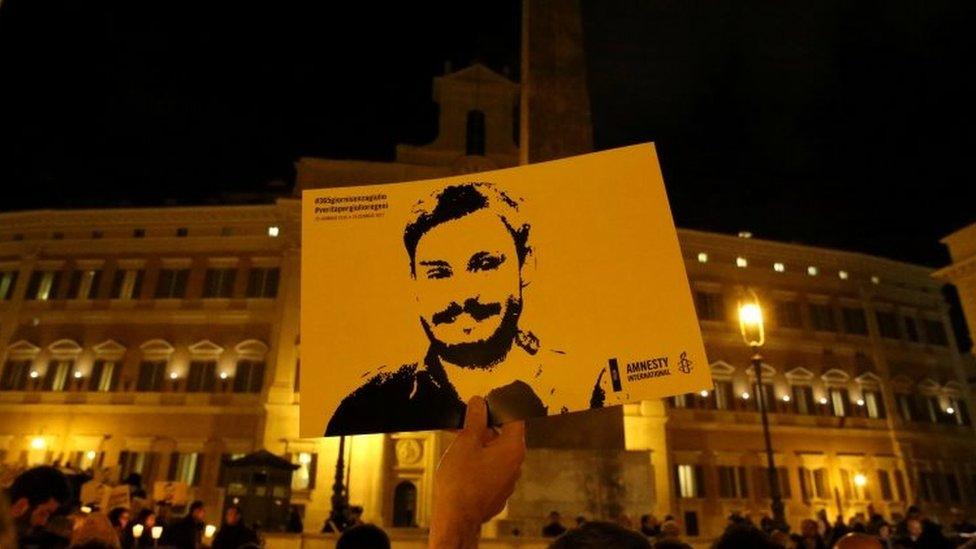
(837, 123)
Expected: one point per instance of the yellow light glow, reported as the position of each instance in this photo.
(950, 410)
(273, 231)
(77, 374)
(38, 443)
(875, 280)
(35, 374)
(751, 323)
(860, 479)
(90, 454)
(157, 532)
(702, 257)
(137, 530)
(750, 314)
(304, 458)
(842, 274)
(224, 375)
(741, 262)
(786, 398)
(812, 271)
(209, 531)
(86, 509)
(779, 267)
(745, 396)
(704, 394)
(174, 375)
(823, 400)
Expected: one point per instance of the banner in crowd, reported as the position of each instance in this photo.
(549, 288)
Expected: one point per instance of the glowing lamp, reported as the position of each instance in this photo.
(137, 530)
(860, 480)
(157, 532)
(751, 324)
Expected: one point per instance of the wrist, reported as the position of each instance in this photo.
(453, 530)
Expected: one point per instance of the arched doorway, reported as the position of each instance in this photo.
(405, 505)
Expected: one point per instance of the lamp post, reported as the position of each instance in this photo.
(339, 502)
(751, 326)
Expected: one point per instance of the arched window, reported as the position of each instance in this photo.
(476, 133)
(405, 505)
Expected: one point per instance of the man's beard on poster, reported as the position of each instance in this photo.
(485, 353)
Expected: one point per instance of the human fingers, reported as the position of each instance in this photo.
(476, 418)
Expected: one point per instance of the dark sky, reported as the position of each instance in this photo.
(838, 123)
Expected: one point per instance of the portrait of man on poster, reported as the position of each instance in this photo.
(471, 260)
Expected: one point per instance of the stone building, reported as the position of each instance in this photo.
(162, 340)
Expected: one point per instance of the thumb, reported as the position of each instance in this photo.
(476, 418)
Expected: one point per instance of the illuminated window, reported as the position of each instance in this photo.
(741, 262)
(779, 267)
(821, 485)
(127, 284)
(745, 234)
(812, 271)
(44, 285)
(84, 284)
(689, 481)
(873, 404)
(56, 377)
(839, 401)
(104, 376)
(273, 231)
(842, 274)
(803, 399)
(8, 280)
(304, 477)
(702, 257)
(185, 468)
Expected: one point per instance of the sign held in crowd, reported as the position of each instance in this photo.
(549, 288)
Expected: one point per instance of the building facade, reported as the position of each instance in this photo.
(164, 340)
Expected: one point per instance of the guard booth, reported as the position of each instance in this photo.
(260, 484)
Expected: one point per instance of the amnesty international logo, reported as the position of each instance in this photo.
(684, 363)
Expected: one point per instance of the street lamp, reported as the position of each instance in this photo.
(340, 500)
(753, 333)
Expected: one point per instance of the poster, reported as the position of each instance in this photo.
(174, 493)
(549, 288)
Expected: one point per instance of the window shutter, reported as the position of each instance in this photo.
(209, 376)
(254, 282)
(74, 284)
(96, 282)
(699, 481)
(677, 480)
(198, 472)
(312, 469)
(34, 284)
(257, 377)
(179, 286)
(96, 375)
(271, 283)
(174, 462)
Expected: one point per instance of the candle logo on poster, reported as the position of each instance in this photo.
(470, 301)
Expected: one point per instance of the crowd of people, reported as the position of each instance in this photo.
(39, 512)
(472, 484)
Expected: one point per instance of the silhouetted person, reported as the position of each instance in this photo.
(741, 535)
(363, 536)
(186, 532)
(670, 537)
(555, 527)
(34, 497)
(233, 532)
(601, 535)
(649, 526)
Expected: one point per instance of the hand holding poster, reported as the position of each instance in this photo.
(548, 288)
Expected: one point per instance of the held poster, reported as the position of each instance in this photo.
(549, 288)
